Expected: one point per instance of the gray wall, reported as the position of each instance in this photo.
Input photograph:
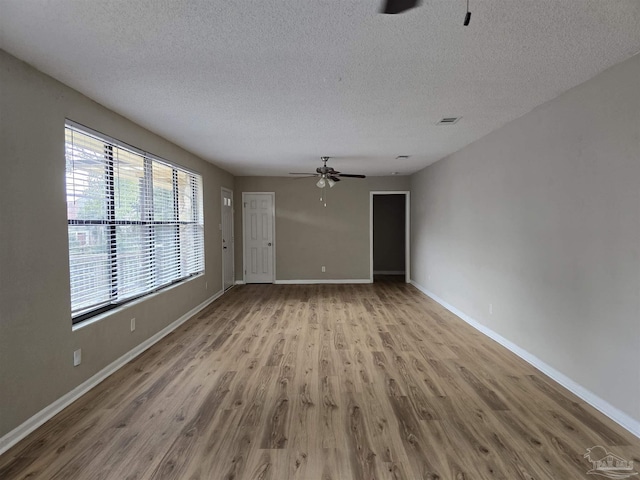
(36, 340)
(309, 235)
(389, 233)
(541, 218)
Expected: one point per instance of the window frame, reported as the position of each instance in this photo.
(111, 222)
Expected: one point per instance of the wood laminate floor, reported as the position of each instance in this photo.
(322, 382)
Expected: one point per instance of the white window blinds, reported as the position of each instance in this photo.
(135, 222)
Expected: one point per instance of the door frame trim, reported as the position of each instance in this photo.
(407, 230)
(233, 263)
(273, 235)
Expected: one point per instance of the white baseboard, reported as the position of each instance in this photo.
(389, 272)
(624, 420)
(239, 282)
(24, 429)
(315, 281)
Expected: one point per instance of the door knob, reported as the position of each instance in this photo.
(269, 244)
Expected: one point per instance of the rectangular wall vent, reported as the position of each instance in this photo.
(448, 120)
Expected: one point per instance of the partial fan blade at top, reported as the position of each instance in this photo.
(352, 175)
(399, 6)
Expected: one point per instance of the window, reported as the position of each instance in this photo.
(135, 222)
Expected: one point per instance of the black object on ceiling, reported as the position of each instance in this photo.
(399, 6)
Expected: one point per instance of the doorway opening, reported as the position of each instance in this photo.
(389, 236)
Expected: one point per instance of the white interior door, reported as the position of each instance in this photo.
(259, 247)
(227, 239)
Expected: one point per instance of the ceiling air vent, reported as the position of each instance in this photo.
(448, 120)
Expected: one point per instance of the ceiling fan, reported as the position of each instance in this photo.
(399, 6)
(328, 176)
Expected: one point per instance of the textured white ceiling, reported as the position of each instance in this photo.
(264, 87)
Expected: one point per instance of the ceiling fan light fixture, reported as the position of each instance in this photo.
(327, 176)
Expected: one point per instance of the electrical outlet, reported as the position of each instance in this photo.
(491, 309)
(206, 285)
(133, 324)
(323, 269)
(77, 357)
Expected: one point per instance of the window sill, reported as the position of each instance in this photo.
(137, 301)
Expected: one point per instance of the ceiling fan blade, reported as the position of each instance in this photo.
(399, 6)
(306, 176)
(305, 173)
(334, 178)
(351, 175)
